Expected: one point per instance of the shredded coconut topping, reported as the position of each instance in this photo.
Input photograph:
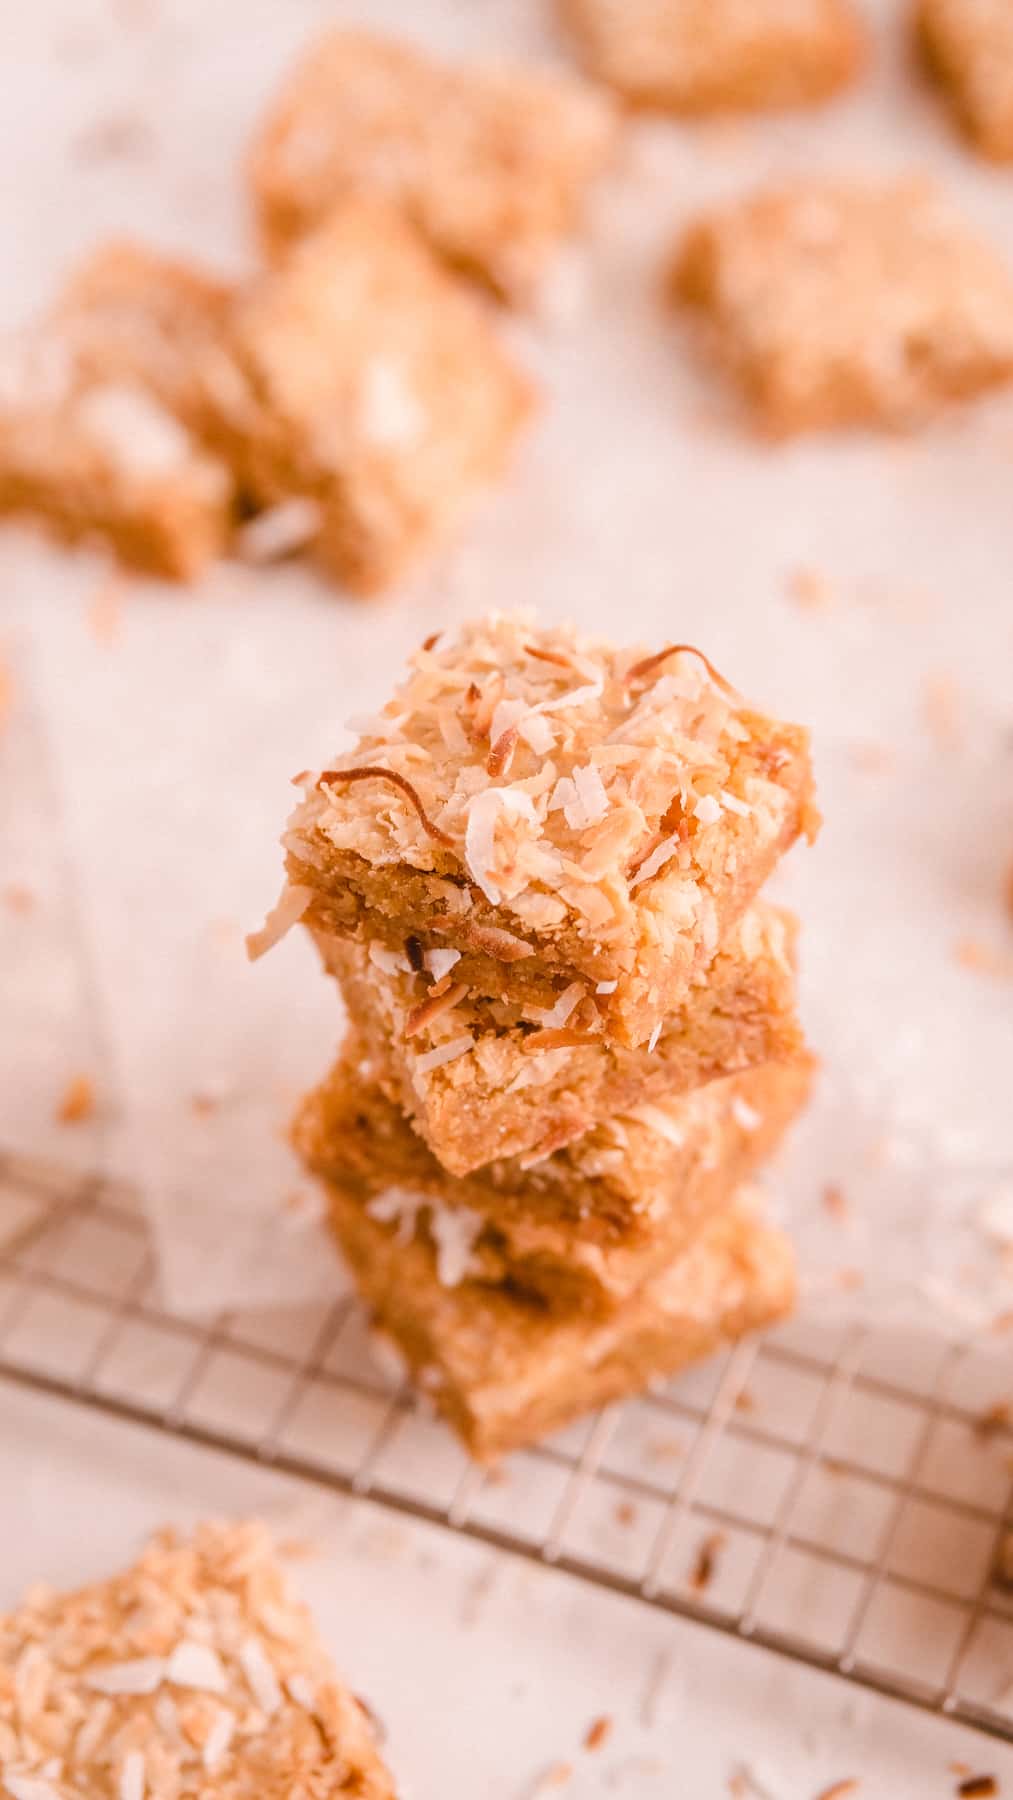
(290, 908)
(456, 1230)
(438, 963)
(445, 1053)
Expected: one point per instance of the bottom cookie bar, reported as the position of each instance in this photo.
(193, 1672)
(584, 1228)
(504, 1372)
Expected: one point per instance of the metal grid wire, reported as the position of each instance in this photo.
(837, 1489)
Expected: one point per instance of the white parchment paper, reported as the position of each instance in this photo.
(147, 755)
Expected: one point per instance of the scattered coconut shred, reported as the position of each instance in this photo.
(559, 774)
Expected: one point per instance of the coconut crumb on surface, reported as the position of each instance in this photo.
(18, 898)
(552, 1780)
(624, 1513)
(705, 1564)
(835, 1201)
(810, 589)
(984, 959)
(977, 1787)
(993, 1420)
(943, 710)
(838, 1790)
(598, 1732)
(78, 1101)
(192, 1671)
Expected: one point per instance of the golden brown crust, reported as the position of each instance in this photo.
(361, 378)
(702, 56)
(514, 1089)
(584, 1227)
(841, 304)
(191, 1672)
(489, 162)
(967, 45)
(504, 1372)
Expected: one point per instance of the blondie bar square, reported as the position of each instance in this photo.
(481, 1079)
(582, 825)
(363, 379)
(101, 415)
(700, 56)
(969, 46)
(192, 1672)
(504, 1371)
(833, 303)
(491, 163)
(584, 1228)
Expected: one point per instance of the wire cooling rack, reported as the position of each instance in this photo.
(838, 1497)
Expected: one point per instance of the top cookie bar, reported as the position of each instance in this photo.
(489, 162)
(555, 811)
(700, 56)
(191, 1673)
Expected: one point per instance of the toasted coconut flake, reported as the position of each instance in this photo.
(392, 962)
(538, 732)
(259, 1671)
(445, 1053)
(29, 1787)
(660, 855)
(641, 670)
(746, 1116)
(492, 940)
(455, 1230)
(502, 753)
(554, 1017)
(433, 1008)
(484, 809)
(132, 1776)
(439, 963)
(733, 804)
(549, 656)
(141, 1675)
(708, 809)
(193, 1665)
(291, 906)
(556, 1038)
(656, 1119)
(280, 531)
(652, 1042)
(371, 772)
(606, 987)
(218, 1740)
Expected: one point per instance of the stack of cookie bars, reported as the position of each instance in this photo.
(573, 1035)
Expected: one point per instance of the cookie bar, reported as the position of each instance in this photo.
(481, 1079)
(582, 1229)
(193, 1672)
(100, 414)
(361, 378)
(130, 314)
(833, 303)
(490, 162)
(583, 825)
(505, 1372)
(968, 44)
(701, 56)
